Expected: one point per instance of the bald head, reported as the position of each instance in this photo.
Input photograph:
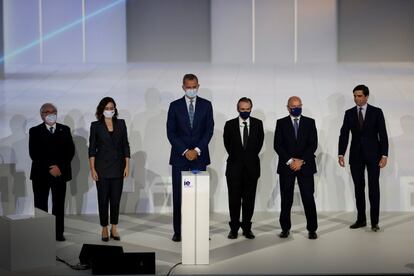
(294, 101)
(294, 106)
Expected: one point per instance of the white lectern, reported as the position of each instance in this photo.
(27, 241)
(195, 218)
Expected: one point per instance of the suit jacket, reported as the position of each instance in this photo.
(47, 149)
(243, 159)
(304, 147)
(182, 136)
(369, 143)
(109, 150)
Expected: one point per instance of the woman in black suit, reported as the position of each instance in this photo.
(109, 162)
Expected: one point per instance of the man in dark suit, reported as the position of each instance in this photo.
(295, 142)
(369, 149)
(243, 140)
(51, 149)
(190, 126)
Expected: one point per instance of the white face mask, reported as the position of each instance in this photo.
(191, 93)
(109, 113)
(51, 119)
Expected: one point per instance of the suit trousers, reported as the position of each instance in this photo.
(242, 195)
(41, 188)
(176, 185)
(306, 187)
(109, 193)
(358, 176)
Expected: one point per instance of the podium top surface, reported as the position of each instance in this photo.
(190, 173)
(37, 214)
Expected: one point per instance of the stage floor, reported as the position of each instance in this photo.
(338, 250)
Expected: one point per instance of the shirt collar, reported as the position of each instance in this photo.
(364, 107)
(241, 121)
(48, 127)
(293, 118)
(187, 100)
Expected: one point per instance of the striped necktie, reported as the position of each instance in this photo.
(191, 112)
(296, 126)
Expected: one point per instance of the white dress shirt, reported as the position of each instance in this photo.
(241, 127)
(48, 127)
(364, 110)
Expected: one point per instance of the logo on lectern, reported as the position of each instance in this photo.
(187, 184)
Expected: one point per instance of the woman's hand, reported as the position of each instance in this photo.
(94, 175)
(126, 171)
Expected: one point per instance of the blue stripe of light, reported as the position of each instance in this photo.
(59, 31)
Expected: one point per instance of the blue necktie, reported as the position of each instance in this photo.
(296, 126)
(51, 130)
(191, 112)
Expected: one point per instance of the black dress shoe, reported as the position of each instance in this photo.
(249, 234)
(105, 239)
(117, 238)
(358, 224)
(60, 238)
(284, 234)
(176, 237)
(312, 235)
(232, 235)
(375, 228)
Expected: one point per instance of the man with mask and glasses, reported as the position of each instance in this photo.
(243, 139)
(295, 142)
(369, 149)
(51, 149)
(190, 126)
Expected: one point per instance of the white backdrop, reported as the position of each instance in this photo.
(143, 93)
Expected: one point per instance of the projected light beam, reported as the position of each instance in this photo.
(59, 31)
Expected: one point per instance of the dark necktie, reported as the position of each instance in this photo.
(360, 118)
(51, 130)
(191, 112)
(296, 126)
(245, 135)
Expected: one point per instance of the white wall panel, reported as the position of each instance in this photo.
(231, 31)
(21, 27)
(274, 31)
(316, 31)
(67, 45)
(106, 32)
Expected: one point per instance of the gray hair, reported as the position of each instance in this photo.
(46, 105)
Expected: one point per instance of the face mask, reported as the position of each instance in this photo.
(109, 113)
(296, 111)
(244, 115)
(51, 119)
(191, 93)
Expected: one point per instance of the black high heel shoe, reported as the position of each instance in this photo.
(117, 238)
(105, 239)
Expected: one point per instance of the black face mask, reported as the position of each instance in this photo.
(296, 111)
(244, 115)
